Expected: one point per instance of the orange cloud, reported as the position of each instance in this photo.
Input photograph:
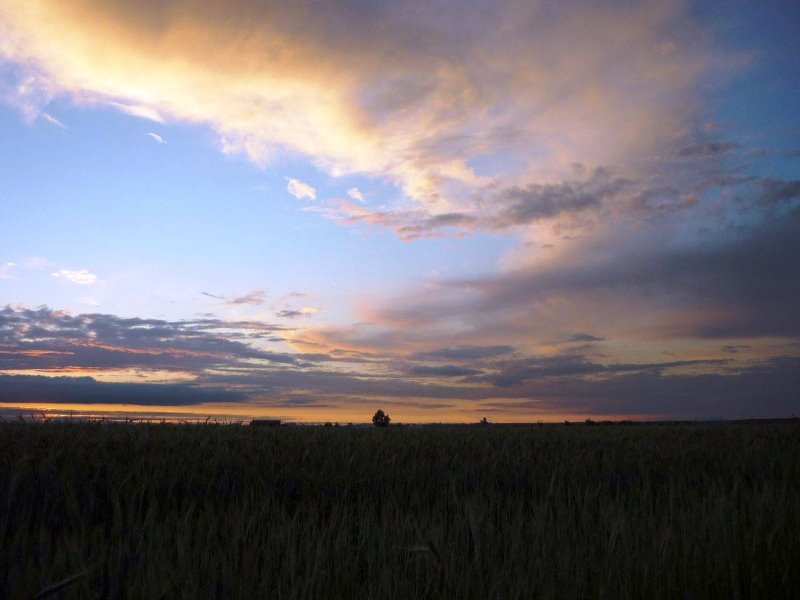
(418, 95)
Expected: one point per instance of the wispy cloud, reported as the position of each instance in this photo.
(294, 313)
(157, 138)
(471, 352)
(583, 337)
(706, 149)
(36, 262)
(442, 371)
(81, 276)
(301, 190)
(254, 298)
(409, 225)
(143, 111)
(52, 120)
(6, 270)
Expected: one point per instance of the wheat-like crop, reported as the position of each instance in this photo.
(120, 510)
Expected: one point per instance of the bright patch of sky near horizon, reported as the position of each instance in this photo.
(551, 206)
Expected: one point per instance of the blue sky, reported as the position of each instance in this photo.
(526, 212)
(103, 195)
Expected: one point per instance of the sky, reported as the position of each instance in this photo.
(524, 211)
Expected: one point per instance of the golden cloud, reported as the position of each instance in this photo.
(434, 97)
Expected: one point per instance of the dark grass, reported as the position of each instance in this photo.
(193, 511)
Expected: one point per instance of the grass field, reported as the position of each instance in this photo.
(606, 511)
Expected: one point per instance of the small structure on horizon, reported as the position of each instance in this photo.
(265, 422)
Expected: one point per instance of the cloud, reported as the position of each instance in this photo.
(301, 190)
(355, 194)
(740, 280)
(291, 313)
(255, 297)
(516, 371)
(409, 225)
(494, 209)
(46, 339)
(442, 371)
(36, 262)
(137, 110)
(21, 389)
(213, 296)
(734, 348)
(770, 389)
(776, 191)
(392, 92)
(584, 337)
(534, 202)
(81, 276)
(52, 120)
(706, 149)
(6, 270)
(465, 352)
(585, 145)
(157, 138)
(227, 363)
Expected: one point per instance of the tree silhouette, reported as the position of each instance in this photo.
(381, 419)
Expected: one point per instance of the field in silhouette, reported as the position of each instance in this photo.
(94, 510)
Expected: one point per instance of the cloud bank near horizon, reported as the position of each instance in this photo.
(50, 357)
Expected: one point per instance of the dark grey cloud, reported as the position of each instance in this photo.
(744, 282)
(369, 404)
(43, 338)
(584, 337)
(534, 202)
(766, 390)
(431, 226)
(442, 371)
(409, 225)
(314, 356)
(468, 352)
(662, 198)
(670, 186)
(341, 385)
(777, 191)
(85, 390)
(291, 313)
(513, 372)
(213, 296)
(734, 348)
(563, 384)
(495, 207)
(706, 149)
